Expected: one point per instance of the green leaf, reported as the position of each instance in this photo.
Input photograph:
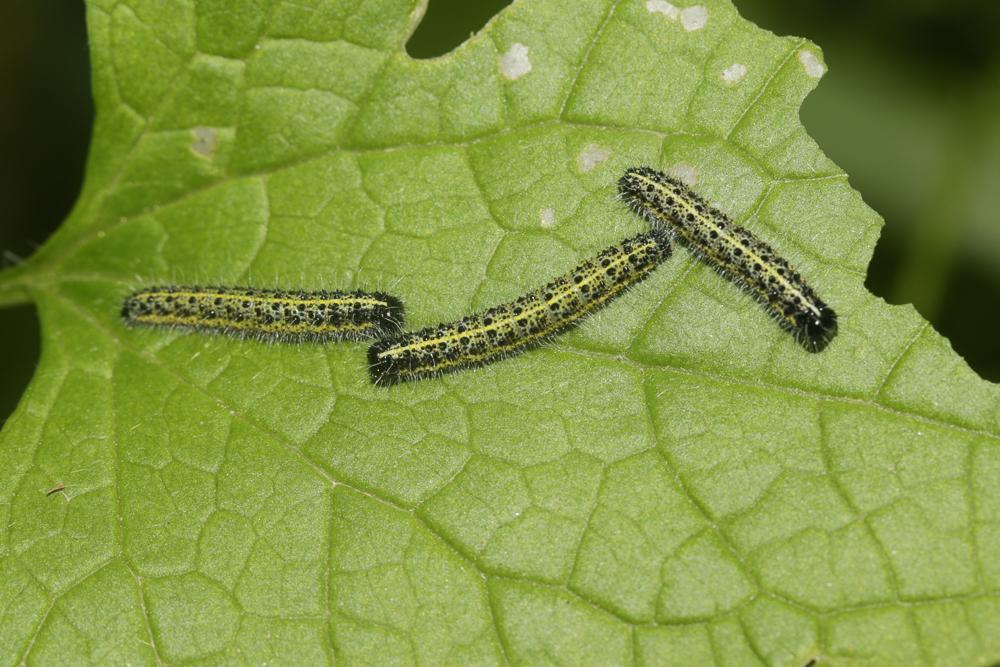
(676, 482)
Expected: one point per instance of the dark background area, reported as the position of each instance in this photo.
(910, 109)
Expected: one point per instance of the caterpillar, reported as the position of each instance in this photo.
(266, 314)
(732, 251)
(506, 330)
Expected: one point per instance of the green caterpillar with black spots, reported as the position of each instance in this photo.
(733, 251)
(266, 314)
(529, 320)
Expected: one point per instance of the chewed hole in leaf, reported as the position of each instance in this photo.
(448, 23)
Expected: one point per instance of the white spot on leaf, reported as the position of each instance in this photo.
(205, 141)
(663, 7)
(686, 173)
(591, 156)
(734, 73)
(547, 217)
(694, 18)
(813, 67)
(515, 63)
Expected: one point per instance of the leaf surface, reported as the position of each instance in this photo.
(676, 482)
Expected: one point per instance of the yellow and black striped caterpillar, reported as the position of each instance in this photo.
(668, 204)
(276, 315)
(503, 331)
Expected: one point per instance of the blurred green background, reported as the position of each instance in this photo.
(910, 109)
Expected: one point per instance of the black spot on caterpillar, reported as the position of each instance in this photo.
(272, 315)
(733, 251)
(503, 331)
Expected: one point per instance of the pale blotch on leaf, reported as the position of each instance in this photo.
(694, 18)
(547, 216)
(591, 156)
(734, 73)
(685, 173)
(515, 63)
(205, 141)
(811, 64)
(663, 7)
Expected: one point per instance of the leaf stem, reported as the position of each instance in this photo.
(13, 292)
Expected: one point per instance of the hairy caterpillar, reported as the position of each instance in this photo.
(503, 331)
(667, 203)
(277, 315)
